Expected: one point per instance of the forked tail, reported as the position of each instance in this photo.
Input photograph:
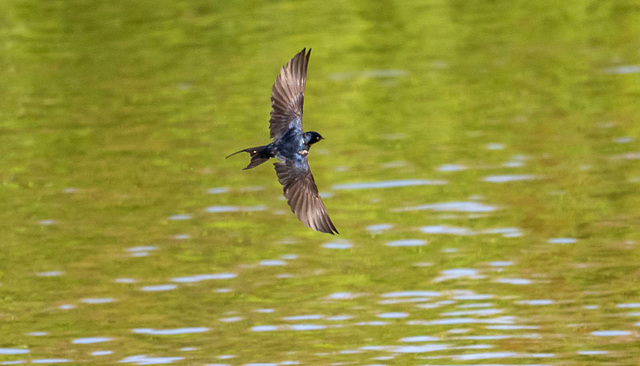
(259, 155)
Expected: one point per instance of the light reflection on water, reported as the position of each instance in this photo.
(514, 281)
(389, 184)
(451, 206)
(342, 296)
(167, 254)
(419, 339)
(91, 340)
(272, 262)
(98, 300)
(610, 333)
(177, 331)
(406, 243)
(451, 168)
(13, 351)
(204, 277)
(146, 360)
(167, 287)
(180, 217)
(375, 74)
(624, 69)
(338, 245)
(50, 274)
(224, 209)
(50, 360)
(562, 240)
(101, 353)
(378, 228)
(509, 178)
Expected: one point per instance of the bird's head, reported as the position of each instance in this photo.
(312, 137)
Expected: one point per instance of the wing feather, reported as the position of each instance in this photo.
(301, 193)
(287, 95)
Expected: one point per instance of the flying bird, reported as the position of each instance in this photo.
(291, 146)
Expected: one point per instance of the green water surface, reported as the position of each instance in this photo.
(481, 162)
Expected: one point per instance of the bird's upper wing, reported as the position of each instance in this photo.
(287, 96)
(302, 195)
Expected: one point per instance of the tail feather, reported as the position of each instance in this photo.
(259, 155)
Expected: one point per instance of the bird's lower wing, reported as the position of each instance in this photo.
(301, 193)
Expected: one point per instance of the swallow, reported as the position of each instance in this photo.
(291, 146)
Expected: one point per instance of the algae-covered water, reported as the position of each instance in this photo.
(481, 161)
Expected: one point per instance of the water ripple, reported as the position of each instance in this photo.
(304, 317)
(231, 319)
(420, 349)
(629, 305)
(419, 339)
(456, 273)
(610, 333)
(397, 315)
(457, 321)
(145, 360)
(145, 248)
(167, 287)
(340, 245)
(204, 277)
(493, 355)
(514, 281)
(406, 243)
(473, 312)
(91, 340)
(562, 240)
(624, 69)
(342, 296)
(509, 178)
(378, 228)
(13, 351)
(512, 327)
(592, 353)
(50, 274)
(272, 262)
(389, 184)
(98, 300)
(451, 168)
(412, 294)
(175, 331)
(37, 334)
(101, 353)
(337, 318)
(501, 263)
(368, 74)
(264, 328)
(180, 217)
(222, 209)
(307, 327)
(444, 229)
(51, 360)
(450, 206)
(535, 302)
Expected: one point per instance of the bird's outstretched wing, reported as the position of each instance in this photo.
(287, 95)
(301, 193)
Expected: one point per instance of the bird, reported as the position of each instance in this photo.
(290, 146)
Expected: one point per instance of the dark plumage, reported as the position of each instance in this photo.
(291, 146)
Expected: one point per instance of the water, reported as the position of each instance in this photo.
(480, 163)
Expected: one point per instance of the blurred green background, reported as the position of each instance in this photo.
(481, 163)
